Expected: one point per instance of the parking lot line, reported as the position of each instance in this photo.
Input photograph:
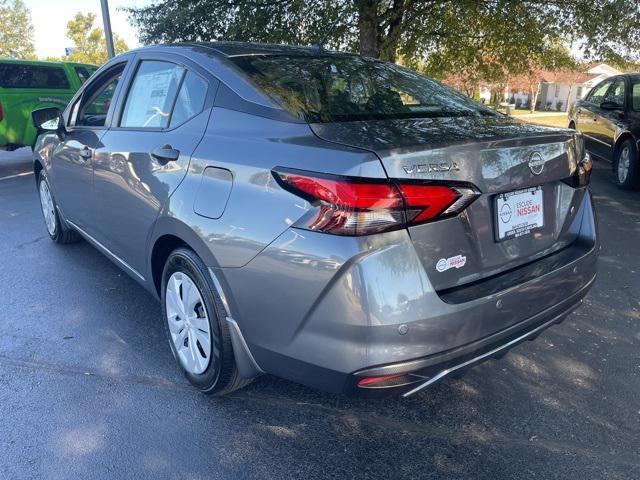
(15, 176)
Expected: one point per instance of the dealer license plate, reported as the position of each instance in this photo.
(519, 213)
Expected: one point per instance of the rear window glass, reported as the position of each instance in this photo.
(14, 75)
(333, 88)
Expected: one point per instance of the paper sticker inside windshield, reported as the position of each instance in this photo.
(445, 264)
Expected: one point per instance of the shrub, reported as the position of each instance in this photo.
(559, 105)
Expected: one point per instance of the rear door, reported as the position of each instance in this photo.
(609, 121)
(72, 161)
(146, 153)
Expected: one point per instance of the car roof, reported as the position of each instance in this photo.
(43, 62)
(240, 49)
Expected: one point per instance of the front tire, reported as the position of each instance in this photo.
(196, 327)
(58, 231)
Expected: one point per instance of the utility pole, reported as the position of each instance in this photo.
(107, 28)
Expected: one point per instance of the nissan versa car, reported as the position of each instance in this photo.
(609, 118)
(338, 221)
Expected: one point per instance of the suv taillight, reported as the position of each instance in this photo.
(355, 206)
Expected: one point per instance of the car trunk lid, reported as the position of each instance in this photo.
(510, 163)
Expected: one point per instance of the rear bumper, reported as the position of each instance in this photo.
(432, 369)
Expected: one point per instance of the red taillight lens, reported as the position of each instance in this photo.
(348, 206)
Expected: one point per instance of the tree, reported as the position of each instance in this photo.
(464, 29)
(16, 30)
(90, 45)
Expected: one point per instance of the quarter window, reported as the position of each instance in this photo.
(190, 99)
(83, 73)
(152, 95)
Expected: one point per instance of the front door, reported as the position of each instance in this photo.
(73, 158)
(610, 121)
(146, 153)
(588, 118)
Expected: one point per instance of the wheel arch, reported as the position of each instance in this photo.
(169, 234)
(626, 135)
(37, 168)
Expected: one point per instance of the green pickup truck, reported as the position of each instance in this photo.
(28, 85)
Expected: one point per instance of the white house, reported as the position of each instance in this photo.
(560, 89)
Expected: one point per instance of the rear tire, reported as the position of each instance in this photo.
(57, 229)
(626, 166)
(195, 324)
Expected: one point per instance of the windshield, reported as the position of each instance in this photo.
(326, 88)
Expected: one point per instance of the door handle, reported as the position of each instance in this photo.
(166, 153)
(86, 153)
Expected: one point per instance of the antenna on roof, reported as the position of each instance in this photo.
(323, 40)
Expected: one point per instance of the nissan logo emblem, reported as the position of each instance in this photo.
(536, 163)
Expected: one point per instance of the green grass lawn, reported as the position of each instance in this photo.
(550, 121)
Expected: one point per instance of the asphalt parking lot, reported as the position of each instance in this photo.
(89, 389)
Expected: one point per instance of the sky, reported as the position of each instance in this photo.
(50, 22)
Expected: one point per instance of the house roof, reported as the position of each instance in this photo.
(571, 77)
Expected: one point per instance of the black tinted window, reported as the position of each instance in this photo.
(333, 88)
(13, 75)
(597, 94)
(151, 95)
(190, 99)
(616, 93)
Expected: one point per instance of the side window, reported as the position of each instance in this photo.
(152, 95)
(190, 99)
(596, 96)
(14, 75)
(616, 92)
(635, 97)
(83, 73)
(96, 100)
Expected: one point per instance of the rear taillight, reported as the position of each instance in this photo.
(355, 206)
(582, 175)
(1, 112)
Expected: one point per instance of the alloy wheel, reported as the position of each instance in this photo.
(188, 323)
(623, 164)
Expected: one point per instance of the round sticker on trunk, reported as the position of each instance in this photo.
(445, 264)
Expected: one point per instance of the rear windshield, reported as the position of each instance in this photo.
(334, 89)
(14, 75)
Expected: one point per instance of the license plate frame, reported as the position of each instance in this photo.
(521, 216)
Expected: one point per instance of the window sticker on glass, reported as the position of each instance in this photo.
(152, 95)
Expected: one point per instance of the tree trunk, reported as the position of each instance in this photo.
(368, 27)
(566, 106)
(534, 98)
(389, 44)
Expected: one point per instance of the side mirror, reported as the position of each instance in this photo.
(48, 120)
(611, 106)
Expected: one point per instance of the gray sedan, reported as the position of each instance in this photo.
(338, 221)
